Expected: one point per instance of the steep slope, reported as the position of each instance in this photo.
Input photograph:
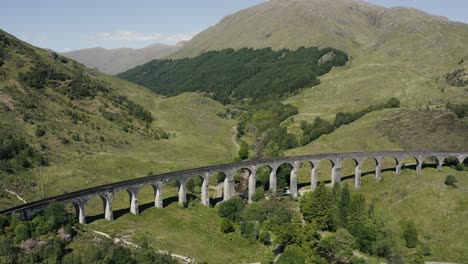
(64, 127)
(113, 61)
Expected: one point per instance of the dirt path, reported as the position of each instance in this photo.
(17, 195)
(233, 138)
(184, 259)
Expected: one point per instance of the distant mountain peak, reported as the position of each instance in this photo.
(113, 61)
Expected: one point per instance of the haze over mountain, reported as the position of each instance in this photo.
(113, 61)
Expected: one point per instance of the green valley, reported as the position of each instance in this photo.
(275, 80)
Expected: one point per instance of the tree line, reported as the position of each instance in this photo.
(312, 131)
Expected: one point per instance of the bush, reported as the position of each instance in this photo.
(249, 230)
(244, 150)
(226, 226)
(264, 237)
(450, 180)
(259, 194)
(410, 234)
(40, 132)
(231, 209)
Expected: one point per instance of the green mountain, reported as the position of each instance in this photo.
(401, 52)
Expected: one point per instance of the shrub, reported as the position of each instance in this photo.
(264, 237)
(249, 230)
(231, 209)
(450, 180)
(410, 234)
(226, 226)
(40, 132)
(244, 150)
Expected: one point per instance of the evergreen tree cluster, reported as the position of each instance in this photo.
(321, 127)
(355, 225)
(17, 155)
(235, 74)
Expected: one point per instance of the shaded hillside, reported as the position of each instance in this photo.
(245, 73)
(113, 61)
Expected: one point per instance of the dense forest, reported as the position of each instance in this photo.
(235, 74)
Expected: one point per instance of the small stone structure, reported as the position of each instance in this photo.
(107, 192)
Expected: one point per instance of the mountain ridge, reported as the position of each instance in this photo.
(113, 61)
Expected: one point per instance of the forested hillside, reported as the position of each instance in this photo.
(244, 73)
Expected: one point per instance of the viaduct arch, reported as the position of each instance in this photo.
(106, 192)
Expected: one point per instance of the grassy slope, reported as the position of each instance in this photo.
(201, 138)
(439, 211)
(193, 231)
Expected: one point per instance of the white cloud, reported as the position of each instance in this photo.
(136, 36)
(67, 49)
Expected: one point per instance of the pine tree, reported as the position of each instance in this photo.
(344, 206)
(357, 215)
(318, 207)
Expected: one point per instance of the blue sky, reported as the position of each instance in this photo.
(67, 25)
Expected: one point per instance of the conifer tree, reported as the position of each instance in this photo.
(344, 206)
(357, 215)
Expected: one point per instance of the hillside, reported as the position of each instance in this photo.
(63, 123)
(113, 61)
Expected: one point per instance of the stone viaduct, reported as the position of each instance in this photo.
(107, 192)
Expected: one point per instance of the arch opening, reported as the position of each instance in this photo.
(304, 175)
(348, 170)
(216, 187)
(194, 187)
(430, 162)
(283, 178)
(95, 208)
(171, 192)
(241, 182)
(409, 162)
(324, 171)
(146, 197)
(262, 182)
(121, 203)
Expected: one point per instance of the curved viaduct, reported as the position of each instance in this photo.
(107, 192)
